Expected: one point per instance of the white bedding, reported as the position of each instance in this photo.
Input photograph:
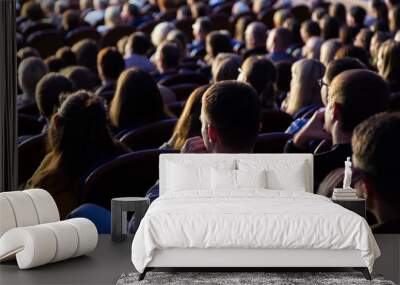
(252, 218)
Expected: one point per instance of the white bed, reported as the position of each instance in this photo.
(201, 220)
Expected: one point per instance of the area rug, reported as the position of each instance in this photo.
(243, 278)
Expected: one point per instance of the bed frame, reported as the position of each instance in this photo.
(233, 259)
(244, 259)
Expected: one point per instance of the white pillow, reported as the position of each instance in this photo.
(183, 176)
(237, 179)
(282, 174)
(251, 178)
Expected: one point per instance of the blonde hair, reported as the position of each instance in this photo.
(304, 87)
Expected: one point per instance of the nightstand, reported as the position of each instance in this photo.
(356, 205)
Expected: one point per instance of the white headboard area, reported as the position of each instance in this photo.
(293, 172)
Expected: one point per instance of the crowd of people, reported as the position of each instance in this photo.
(334, 69)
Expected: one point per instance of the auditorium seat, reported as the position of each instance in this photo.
(46, 42)
(183, 91)
(129, 175)
(177, 107)
(184, 78)
(271, 142)
(149, 136)
(28, 125)
(30, 154)
(275, 121)
(82, 33)
(112, 36)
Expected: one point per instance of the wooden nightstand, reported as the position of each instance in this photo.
(356, 205)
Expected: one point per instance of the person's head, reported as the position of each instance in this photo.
(240, 27)
(375, 145)
(129, 12)
(110, 64)
(47, 7)
(309, 29)
(184, 13)
(363, 39)
(329, 28)
(180, 38)
(304, 87)
(100, 4)
(85, 5)
(61, 6)
(347, 35)
(389, 61)
(255, 35)
(189, 124)
(279, 40)
(137, 100)
(280, 17)
(225, 67)
(30, 71)
(138, 43)
(160, 32)
(217, 42)
(356, 16)
(328, 50)
(294, 27)
(352, 51)
(353, 96)
(394, 18)
(86, 54)
(27, 52)
(261, 74)
(338, 11)
(54, 63)
(48, 92)
(392, 3)
(67, 55)
(166, 5)
(112, 16)
(32, 11)
(240, 7)
(333, 69)
(261, 5)
(376, 41)
(71, 20)
(312, 48)
(168, 56)
(79, 133)
(82, 77)
(230, 116)
(201, 28)
(198, 10)
(379, 10)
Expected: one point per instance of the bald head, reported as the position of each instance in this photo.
(255, 35)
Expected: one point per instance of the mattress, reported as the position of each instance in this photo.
(250, 219)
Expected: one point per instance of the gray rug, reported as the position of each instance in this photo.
(242, 278)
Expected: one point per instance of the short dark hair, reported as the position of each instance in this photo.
(169, 54)
(329, 28)
(358, 13)
(376, 150)
(205, 24)
(48, 91)
(54, 63)
(233, 108)
(110, 63)
(352, 51)
(311, 28)
(71, 20)
(67, 55)
(217, 42)
(139, 43)
(86, 53)
(32, 10)
(337, 66)
(82, 77)
(360, 94)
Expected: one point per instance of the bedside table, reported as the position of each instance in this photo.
(356, 205)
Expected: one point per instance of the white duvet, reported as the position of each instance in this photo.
(250, 219)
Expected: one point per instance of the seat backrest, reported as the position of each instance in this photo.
(290, 172)
(149, 136)
(29, 125)
(184, 78)
(30, 154)
(182, 91)
(177, 107)
(78, 34)
(271, 142)
(275, 121)
(126, 176)
(112, 36)
(47, 42)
